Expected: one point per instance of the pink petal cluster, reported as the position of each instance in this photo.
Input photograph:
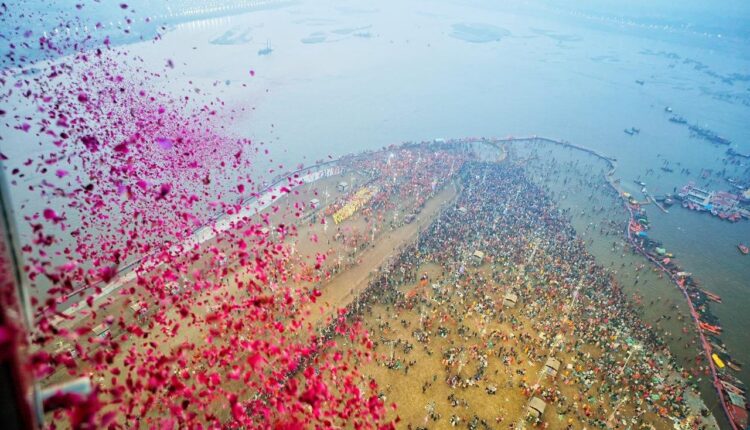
(127, 176)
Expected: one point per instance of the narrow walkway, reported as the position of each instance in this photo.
(346, 286)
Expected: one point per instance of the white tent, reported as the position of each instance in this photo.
(510, 300)
(102, 330)
(536, 408)
(478, 257)
(552, 366)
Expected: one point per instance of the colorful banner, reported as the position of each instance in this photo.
(359, 199)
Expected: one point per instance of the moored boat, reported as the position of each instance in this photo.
(728, 360)
(710, 328)
(734, 366)
(738, 415)
(711, 296)
(718, 361)
(717, 347)
(678, 120)
(728, 387)
(729, 379)
(743, 248)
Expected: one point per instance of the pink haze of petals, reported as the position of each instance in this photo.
(140, 171)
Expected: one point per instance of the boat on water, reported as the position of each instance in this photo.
(666, 200)
(709, 135)
(738, 415)
(713, 329)
(726, 359)
(712, 296)
(678, 120)
(717, 347)
(267, 50)
(734, 391)
(728, 386)
(743, 248)
(721, 204)
(730, 380)
(737, 367)
(718, 361)
(735, 153)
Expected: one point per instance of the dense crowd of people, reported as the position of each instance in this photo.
(616, 371)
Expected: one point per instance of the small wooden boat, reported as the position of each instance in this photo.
(738, 415)
(731, 388)
(710, 328)
(712, 296)
(719, 363)
(734, 366)
(729, 361)
(717, 340)
(729, 379)
(717, 347)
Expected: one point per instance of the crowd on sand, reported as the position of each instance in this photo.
(498, 284)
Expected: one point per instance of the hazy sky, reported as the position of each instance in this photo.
(729, 17)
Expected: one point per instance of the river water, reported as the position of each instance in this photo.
(349, 77)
